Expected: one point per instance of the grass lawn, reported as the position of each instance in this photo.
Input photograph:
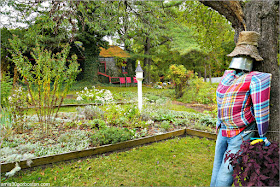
(183, 161)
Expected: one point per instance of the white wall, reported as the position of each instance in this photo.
(214, 79)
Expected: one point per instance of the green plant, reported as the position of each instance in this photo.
(90, 112)
(6, 128)
(255, 165)
(17, 101)
(97, 123)
(199, 91)
(120, 62)
(180, 75)
(181, 121)
(95, 95)
(165, 125)
(207, 120)
(6, 85)
(110, 135)
(48, 80)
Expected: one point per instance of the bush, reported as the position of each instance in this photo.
(199, 91)
(255, 165)
(180, 75)
(111, 135)
(6, 87)
(48, 80)
(97, 123)
(165, 125)
(90, 112)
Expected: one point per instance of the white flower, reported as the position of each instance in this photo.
(79, 98)
(85, 88)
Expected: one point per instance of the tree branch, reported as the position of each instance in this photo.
(232, 10)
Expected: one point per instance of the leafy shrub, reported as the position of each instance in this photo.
(73, 136)
(180, 75)
(90, 112)
(121, 121)
(97, 123)
(6, 87)
(255, 165)
(165, 125)
(181, 121)
(48, 80)
(111, 135)
(199, 91)
(207, 120)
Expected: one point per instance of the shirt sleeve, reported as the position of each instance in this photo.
(260, 94)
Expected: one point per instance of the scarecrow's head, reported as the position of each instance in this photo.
(246, 51)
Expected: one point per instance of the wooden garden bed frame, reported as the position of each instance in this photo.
(39, 161)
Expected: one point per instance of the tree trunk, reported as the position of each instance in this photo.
(205, 71)
(147, 63)
(262, 17)
(15, 79)
(210, 72)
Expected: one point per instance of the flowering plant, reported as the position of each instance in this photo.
(95, 95)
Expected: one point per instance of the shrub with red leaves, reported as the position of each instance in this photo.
(255, 165)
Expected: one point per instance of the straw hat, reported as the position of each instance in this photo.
(247, 45)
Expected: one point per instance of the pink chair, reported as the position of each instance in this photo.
(134, 80)
(128, 80)
(122, 80)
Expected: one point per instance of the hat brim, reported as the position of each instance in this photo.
(249, 50)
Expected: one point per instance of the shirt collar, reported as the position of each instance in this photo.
(239, 74)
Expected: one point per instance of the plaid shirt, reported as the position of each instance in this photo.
(243, 98)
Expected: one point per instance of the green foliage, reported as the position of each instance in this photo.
(16, 103)
(110, 135)
(180, 76)
(199, 91)
(119, 62)
(49, 80)
(6, 88)
(98, 123)
(6, 128)
(90, 112)
(165, 125)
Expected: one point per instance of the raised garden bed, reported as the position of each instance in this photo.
(106, 148)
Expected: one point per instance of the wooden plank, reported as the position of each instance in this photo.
(73, 105)
(201, 134)
(92, 151)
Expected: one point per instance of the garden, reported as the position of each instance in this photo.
(107, 120)
(68, 88)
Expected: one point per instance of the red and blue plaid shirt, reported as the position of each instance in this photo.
(243, 98)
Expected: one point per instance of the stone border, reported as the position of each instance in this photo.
(106, 148)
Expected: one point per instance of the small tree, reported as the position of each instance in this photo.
(180, 75)
(48, 80)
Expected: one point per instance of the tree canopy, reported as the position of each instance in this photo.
(158, 33)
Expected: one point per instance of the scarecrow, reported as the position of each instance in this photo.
(243, 105)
